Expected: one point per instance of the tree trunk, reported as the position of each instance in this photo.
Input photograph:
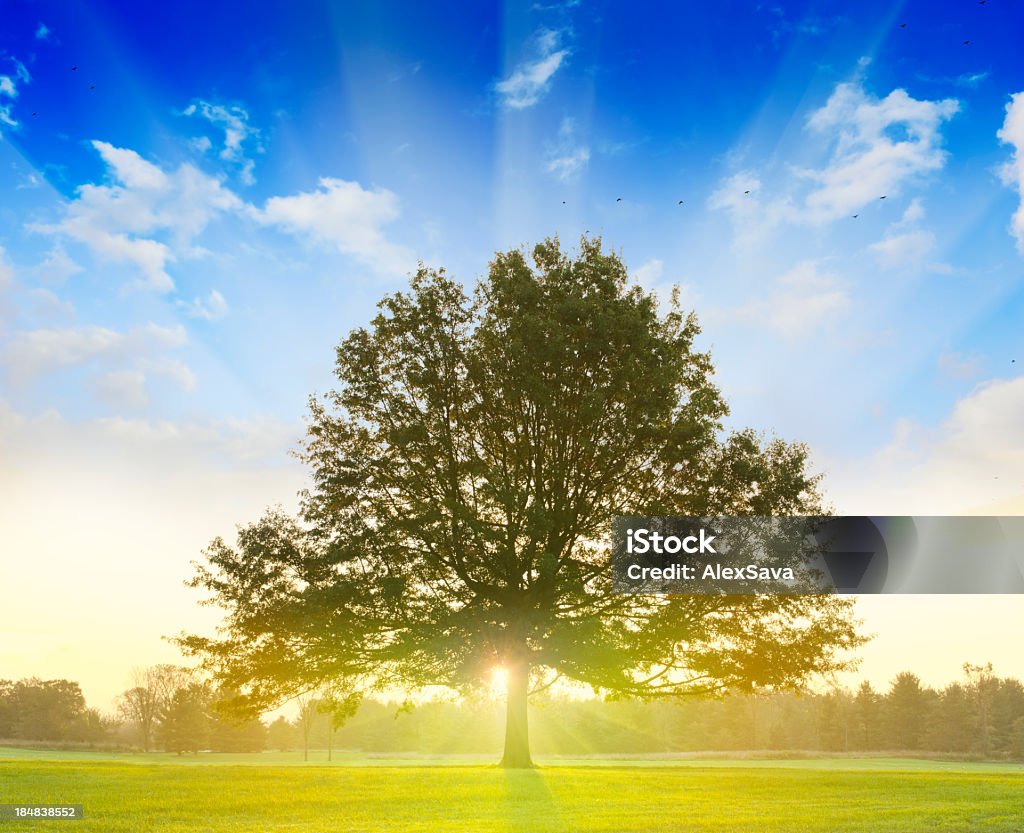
(517, 734)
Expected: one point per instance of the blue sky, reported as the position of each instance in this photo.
(200, 200)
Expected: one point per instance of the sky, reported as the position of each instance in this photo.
(199, 201)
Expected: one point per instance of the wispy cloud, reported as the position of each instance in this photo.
(531, 79)
(210, 308)
(404, 71)
(233, 120)
(9, 84)
(567, 157)
(805, 299)
(1012, 133)
(956, 366)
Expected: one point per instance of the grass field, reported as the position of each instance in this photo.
(258, 793)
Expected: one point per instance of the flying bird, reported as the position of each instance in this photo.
(93, 87)
(746, 192)
(74, 69)
(618, 199)
(966, 42)
(680, 202)
(855, 216)
(903, 25)
(882, 197)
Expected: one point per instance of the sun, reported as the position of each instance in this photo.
(499, 682)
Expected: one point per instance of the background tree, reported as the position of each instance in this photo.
(906, 712)
(308, 713)
(465, 474)
(835, 710)
(982, 685)
(1007, 705)
(865, 718)
(145, 703)
(952, 725)
(231, 732)
(336, 705)
(52, 710)
(186, 724)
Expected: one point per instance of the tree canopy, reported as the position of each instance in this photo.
(465, 471)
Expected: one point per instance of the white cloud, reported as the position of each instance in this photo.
(129, 388)
(648, 274)
(122, 389)
(174, 369)
(344, 215)
(211, 308)
(974, 457)
(234, 121)
(31, 353)
(48, 306)
(122, 221)
(531, 79)
(739, 196)
(130, 169)
(43, 32)
(1012, 133)
(910, 249)
(880, 144)
(914, 212)
(878, 147)
(57, 266)
(907, 246)
(805, 300)
(566, 158)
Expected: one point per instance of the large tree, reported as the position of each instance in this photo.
(465, 473)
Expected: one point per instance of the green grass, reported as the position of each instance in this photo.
(137, 793)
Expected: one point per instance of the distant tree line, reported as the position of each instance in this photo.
(165, 709)
(979, 716)
(48, 710)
